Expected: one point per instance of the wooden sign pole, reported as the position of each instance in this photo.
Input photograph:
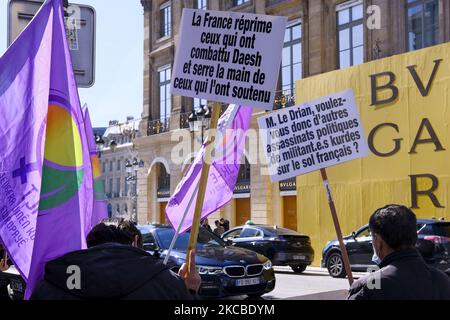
(202, 184)
(344, 252)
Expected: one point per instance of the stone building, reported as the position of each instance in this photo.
(322, 35)
(117, 150)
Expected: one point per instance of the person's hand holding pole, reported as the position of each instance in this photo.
(190, 274)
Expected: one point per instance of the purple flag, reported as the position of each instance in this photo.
(100, 209)
(228, 150)
(46, 190)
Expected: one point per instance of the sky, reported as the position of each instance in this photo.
(118, 89)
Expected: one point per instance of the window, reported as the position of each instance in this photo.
(422, 23)
(165, 14)
(233, 234)
(111, 166)
(119, 168)
(350, 33)
(198, 103)
(165, 99)
(103, 167)
(148, 238)
(126, 183)
(239, 2)
(117, 187)
(117, 208)
(110, 187)
(201, 4)
(250, 233)
(205, 239)
(363, 234)
(163, 178)
(125, 208)
(244, 174)
(436, 229)
(291, 62)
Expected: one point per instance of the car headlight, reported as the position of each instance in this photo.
(209, 270)
(267, 265)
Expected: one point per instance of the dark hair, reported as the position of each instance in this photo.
(115, 231)
(396, 224)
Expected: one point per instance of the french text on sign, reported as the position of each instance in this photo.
(318, 134)
(229, 57)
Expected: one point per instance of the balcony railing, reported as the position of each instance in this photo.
(158, 126)
(283, 99)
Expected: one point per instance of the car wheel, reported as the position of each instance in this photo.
(335, 266)
(298, 269)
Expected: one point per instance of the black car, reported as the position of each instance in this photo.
(284, 247)
(433, 243)
(225, 270)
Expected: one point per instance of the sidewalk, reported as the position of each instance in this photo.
(313, 284)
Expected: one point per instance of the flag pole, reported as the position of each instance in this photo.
(337, 226)
(177, 233)
(202, 183)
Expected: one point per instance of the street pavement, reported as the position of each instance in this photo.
(314, 284)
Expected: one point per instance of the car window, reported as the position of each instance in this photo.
(250, 232)
(426, 229)
(205, 239)
(148, 238)
(363, 234)
(442, 229)
(436, 229)
(274, 231)
(233, 234)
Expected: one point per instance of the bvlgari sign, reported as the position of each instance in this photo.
(404, 104)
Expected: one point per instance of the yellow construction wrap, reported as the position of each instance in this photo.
(359, 187)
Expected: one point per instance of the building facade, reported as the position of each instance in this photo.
(119, 184)
(321, 36)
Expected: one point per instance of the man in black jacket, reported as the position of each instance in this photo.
(403, 274)
(115, 267)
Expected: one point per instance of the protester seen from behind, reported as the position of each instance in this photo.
(403, 273)
(116, 267)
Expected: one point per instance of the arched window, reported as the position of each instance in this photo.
(163, 189)
(243, 181)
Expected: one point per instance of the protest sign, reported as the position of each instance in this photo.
(229, 57)
(226, 57)
(312, 136)
(315, 135)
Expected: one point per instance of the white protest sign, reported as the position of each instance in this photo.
(229, 57)
(312, 136)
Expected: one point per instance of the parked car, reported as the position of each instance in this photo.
(433, 243)
(225, 270)
(284, 247)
